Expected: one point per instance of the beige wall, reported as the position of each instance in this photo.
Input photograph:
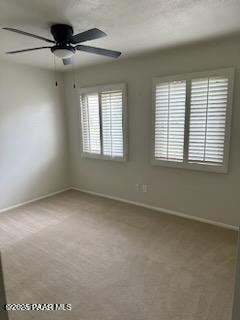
(236, 304)
(206, 195)
(33, 146)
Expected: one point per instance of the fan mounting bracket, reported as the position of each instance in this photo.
(62, 33)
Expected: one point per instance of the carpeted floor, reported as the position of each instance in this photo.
(114, 261)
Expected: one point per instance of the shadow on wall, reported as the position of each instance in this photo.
(236, 303)
(3, 301)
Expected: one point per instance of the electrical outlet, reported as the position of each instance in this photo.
(137, 187)
(144, 188)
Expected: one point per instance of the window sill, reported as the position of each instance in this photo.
(102, 157)
(191, 166)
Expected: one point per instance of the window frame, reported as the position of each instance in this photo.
(97, 90)
(223, 168)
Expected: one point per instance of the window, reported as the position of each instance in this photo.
(192, 115)
(103, 122)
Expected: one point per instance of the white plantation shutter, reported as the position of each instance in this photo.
(103, 122)
(90, 123)
(192, 120)
(112, 123)
(170, 103)
(208, 120)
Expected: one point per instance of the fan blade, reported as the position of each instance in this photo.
(87, 35)
(29, 34)
(25, 50)
(67, 61)
(102, 52)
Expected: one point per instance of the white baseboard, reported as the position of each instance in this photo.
(140, 204)
(33, 200)
(163, 210)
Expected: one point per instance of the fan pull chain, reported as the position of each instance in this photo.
(55, 69)
(74, 76)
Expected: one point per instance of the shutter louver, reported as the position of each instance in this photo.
(170, 101)
(90, 123)
(112, 123)
(209, 97)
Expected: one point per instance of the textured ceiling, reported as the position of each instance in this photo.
(133, 26)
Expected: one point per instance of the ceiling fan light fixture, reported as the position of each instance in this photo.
(63, 52)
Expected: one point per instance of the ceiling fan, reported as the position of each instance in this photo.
(66, 44)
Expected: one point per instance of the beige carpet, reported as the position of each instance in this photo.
(114, 261)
